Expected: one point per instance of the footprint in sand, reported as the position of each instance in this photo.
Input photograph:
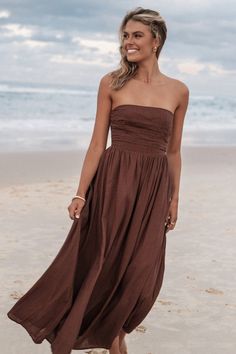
(214, 291)
(230, 305)
(141, 329)
(183, 310)
(165, 302)
(16, 295)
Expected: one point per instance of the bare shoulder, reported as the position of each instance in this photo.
(181, 94)
(182, 87)
(105, 81)
(104, 93)
(178, 84)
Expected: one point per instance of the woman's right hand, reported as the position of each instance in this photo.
(75, 208)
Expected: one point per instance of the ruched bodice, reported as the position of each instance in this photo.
(141, 128)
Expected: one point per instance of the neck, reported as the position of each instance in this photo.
(148, 73)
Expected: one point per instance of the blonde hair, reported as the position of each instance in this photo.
(158, 28)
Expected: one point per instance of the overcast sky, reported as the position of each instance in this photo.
(74, 42)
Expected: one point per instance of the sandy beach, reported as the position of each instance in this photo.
(196, 308)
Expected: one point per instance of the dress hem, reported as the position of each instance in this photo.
(28, 325)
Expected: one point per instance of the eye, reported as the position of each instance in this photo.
(125, 35)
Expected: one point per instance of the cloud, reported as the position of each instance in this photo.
(4, 14)
(102, 46)
(190, 67)
(34, 44)
(194, 68)
(69, 59)
(219, 70)
(15, 29)
(57, 39)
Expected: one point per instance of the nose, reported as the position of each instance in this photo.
(128, 41)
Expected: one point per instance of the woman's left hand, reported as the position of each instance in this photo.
(172, 215)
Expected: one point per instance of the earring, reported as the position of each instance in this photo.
(154, 49)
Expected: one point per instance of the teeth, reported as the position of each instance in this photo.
(132, 50)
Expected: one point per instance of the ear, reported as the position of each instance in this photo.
(157, 41)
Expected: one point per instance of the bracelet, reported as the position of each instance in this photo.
(78, 197)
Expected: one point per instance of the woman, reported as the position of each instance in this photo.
(109, 271)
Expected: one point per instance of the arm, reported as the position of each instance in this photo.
(96, 147)
(173, 151)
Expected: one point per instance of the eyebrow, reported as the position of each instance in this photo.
(124, 32)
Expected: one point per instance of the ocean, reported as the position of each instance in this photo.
(39, 118)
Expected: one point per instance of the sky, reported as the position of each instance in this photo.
(75, 43)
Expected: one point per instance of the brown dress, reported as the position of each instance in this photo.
(109, 270)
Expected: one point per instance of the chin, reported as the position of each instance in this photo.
(132, 60)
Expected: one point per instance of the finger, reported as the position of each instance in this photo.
(74, 210)
(71, 213)
(171, 225)
(167, 219)
(77, 212)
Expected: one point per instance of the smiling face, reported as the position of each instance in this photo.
(138, 41)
